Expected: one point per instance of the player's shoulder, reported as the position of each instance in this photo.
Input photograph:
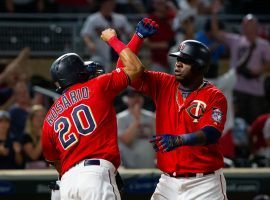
(211, 90)
(115, 72)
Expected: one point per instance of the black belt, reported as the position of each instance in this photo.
(91, 162)
(188, 175)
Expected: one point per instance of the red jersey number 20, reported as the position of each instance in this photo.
(83, 120)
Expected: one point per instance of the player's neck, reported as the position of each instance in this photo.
(191, 87)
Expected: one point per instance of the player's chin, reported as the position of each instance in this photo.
(179, 77)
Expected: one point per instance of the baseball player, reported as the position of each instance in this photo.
(79, 132)
(190, 117)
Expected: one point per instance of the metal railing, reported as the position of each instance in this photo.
(54, 34)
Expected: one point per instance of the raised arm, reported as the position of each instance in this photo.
(144, 29)
(133, 66)
(218, 34)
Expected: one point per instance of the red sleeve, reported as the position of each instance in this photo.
(48, 146)
(113, 83)
(216, 112)
(134, 45)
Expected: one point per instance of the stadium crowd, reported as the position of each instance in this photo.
(240, 67)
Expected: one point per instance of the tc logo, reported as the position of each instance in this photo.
(196, 110)
(181, 47)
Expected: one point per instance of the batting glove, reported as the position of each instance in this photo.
(166, 142)
(146, 28)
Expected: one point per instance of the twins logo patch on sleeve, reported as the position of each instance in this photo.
(217, 115)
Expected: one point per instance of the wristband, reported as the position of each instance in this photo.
(116, 44)
(135, 43)
(189, 139)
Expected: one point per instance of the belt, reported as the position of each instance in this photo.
(99, 162)
(188, 175)
(91, 162)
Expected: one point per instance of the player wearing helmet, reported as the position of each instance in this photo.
(79, 132)
(190, 117)
(70, 68)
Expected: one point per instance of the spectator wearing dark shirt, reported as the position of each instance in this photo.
(19, 109)
(31, 139)
(160, 43)
(10, 149)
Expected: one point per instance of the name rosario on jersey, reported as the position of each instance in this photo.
(65, 101)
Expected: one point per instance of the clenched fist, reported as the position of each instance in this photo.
(107, 34)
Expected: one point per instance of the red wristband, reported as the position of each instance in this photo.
(116, 44)
(135, 43)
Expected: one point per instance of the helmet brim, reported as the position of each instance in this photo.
(181, 57)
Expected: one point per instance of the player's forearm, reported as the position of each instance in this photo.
(133, 65)
(169, 142)
(207, 135)
(134, 45)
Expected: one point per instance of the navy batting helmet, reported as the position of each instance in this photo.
(195, 53)
(70, 68)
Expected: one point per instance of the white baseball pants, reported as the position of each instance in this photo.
(208, 187)
(91, 182)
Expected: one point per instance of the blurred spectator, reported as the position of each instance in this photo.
(15, 70)
(225, 83)
(11, 73)
(260, 140)
(130, 6)
(250, 56)
(161, 42)
(201, 7)
(96, 23)
(183, 26)
(217, 49)
(31, 139)
(24, 6)
(10, 149)
(135, 127)
(75, 6)
(20, 109)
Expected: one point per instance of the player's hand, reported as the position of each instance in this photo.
(146, 27)
(166, 142)
(107, 34)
